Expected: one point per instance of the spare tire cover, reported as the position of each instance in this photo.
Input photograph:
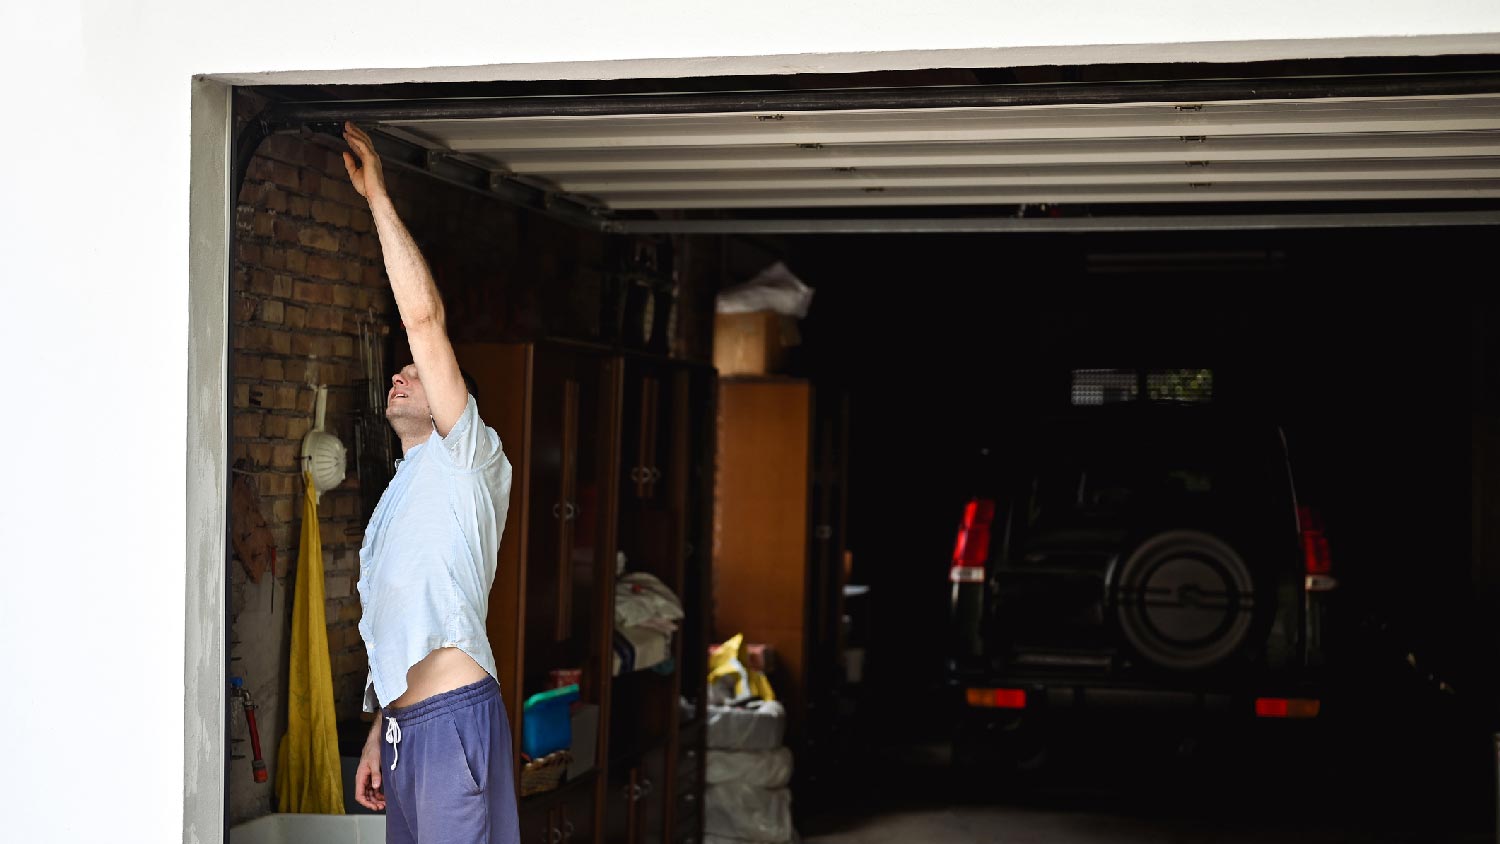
(1185, 600)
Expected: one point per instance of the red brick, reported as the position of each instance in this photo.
(271, 311)
(301, 206)
(317, 237)
(264, 225)
(339, 190)
(281, 341)
(244, 309)
(302, 345)
(281, 510)
(247, 366)
(247, 253)
(311, 293)
(343, 346)
(241, 395)
(296, 261)
(360, 220)
(282, 148)
(297, 426)
(247, 425)
(284, 174)
(275, 200)
(241, 451)
(296, 316)
(285, 398)
(285, 230)
(285, 455)
(343, 296)
(374, 275)
(310, 180)
(273, 258)
(272, 370)
(326, 266)
(305, 401)
(260, 169)
(330, 213)
(274, 427)
(251, 338)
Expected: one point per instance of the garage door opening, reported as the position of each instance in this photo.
(1304, 232)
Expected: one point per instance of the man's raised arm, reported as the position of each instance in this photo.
(417, 298)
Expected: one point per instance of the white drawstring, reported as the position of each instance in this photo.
(393, 735)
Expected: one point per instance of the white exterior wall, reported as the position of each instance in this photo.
(111, 597)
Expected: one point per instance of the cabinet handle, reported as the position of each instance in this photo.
(638, 474)
(690, 798)
(632, 792)
(554, 836)
(655, 474)
(645, 787)
(691, 756)
(567, 830)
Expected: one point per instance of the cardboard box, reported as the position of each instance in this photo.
(752, 343)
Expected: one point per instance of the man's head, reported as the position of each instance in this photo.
(406, 405)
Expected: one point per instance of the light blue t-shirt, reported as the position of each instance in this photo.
(428, 558)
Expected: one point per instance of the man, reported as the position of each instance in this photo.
(438, 758)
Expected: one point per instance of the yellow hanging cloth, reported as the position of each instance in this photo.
(308, 778)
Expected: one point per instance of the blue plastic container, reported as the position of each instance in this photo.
(546, 722)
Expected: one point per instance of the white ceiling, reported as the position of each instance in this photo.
(1273, 150)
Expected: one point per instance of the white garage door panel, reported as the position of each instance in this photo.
(1297, 150)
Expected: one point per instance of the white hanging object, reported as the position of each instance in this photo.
(322, 453)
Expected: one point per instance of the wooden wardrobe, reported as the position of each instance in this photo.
(611, 452)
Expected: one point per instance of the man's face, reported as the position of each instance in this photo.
(406, 398)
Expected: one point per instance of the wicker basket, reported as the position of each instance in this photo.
(546, 773)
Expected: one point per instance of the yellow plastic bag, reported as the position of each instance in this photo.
(725, 662)
(308, 778)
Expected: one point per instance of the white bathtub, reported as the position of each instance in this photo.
(310, 829)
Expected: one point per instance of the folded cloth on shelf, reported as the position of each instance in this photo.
(747, 812)
(757, 726)
(642, 598)
(639, 648)
(760, 768)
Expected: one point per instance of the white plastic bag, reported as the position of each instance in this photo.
(773, 289)
(758, 726)
(759, 768)
(748, 813)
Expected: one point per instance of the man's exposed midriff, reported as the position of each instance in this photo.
(443, 670)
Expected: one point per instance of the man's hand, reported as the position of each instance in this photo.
(367, 790)
(364, 170)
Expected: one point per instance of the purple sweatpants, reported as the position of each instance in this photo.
(447, 770)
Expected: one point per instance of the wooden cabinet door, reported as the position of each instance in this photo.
(655, 791)
(575, 817)
(570, 547)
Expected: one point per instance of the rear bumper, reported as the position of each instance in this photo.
(1253, 701)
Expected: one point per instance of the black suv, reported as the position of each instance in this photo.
(1136, 557)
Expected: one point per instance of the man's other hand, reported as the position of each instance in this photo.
(367, 789)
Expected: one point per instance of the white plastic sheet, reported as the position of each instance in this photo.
(758, 726)
(773, 289)
(748, 813)
(760, 768)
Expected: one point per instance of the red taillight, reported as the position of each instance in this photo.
(972, 548)
(997, 698)
(1282, 707)
(1315, 555)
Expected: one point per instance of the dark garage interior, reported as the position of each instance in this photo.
(941, 336)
